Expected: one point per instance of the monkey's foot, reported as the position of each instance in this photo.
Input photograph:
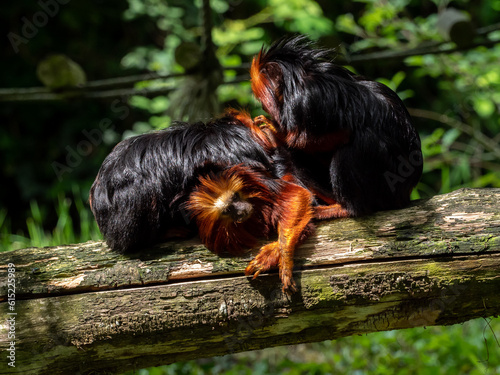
(286, 273)
(263, 122)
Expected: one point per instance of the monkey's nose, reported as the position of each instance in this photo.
(239, 211)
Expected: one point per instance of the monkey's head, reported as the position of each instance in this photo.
(232, 209)
(221, 198)
(233, 206)
(296, 83)
(284, 80)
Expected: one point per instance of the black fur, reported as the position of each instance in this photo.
(143, 184)
(380, 163)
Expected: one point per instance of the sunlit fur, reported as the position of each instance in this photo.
(295, 215)
(221, 179)
(349, 139)
(221, 232)
(140, 192)
(261, 128)
(265, 84)
(278, 206)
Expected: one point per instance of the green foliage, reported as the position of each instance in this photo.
(235, 39)
(455, 101)
(59, 71)
(75, 224)
(300, 16)
(394, 84)
(470, 348)
(460, 89)
(386, 24)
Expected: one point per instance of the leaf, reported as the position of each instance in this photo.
(449, 137)
(484, 107)
(347, 24)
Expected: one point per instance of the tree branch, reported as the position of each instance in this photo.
(429, 49)
(489, 144)
(44, 94)
(85, 309)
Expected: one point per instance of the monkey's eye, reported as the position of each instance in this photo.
(237, 209)
(229, 204)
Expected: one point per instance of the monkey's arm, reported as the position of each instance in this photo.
(294, 224)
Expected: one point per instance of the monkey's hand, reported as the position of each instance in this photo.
(267, 258)
(264, 123)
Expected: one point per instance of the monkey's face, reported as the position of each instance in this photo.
(233, 206)
(221, 198)
(231, 209)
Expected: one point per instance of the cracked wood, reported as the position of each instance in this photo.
(84, 308)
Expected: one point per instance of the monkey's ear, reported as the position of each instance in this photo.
(274, 73)
(267, 80)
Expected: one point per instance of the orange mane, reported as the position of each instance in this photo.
(222, 233)
(264, 89)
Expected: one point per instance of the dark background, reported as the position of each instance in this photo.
(52, 141)
(118, 38)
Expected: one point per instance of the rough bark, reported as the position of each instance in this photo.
(83, 308)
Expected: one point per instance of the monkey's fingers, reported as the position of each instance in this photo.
(267, 258)
(262, 121)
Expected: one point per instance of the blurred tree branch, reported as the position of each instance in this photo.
(488, 143)
(99, 88)
(429, 49)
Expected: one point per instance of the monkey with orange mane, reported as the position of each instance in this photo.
(335, 146)
(219, 174)
(350, 140)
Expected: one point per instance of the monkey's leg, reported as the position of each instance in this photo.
(296, 214)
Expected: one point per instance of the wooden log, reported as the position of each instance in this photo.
(83, 308)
